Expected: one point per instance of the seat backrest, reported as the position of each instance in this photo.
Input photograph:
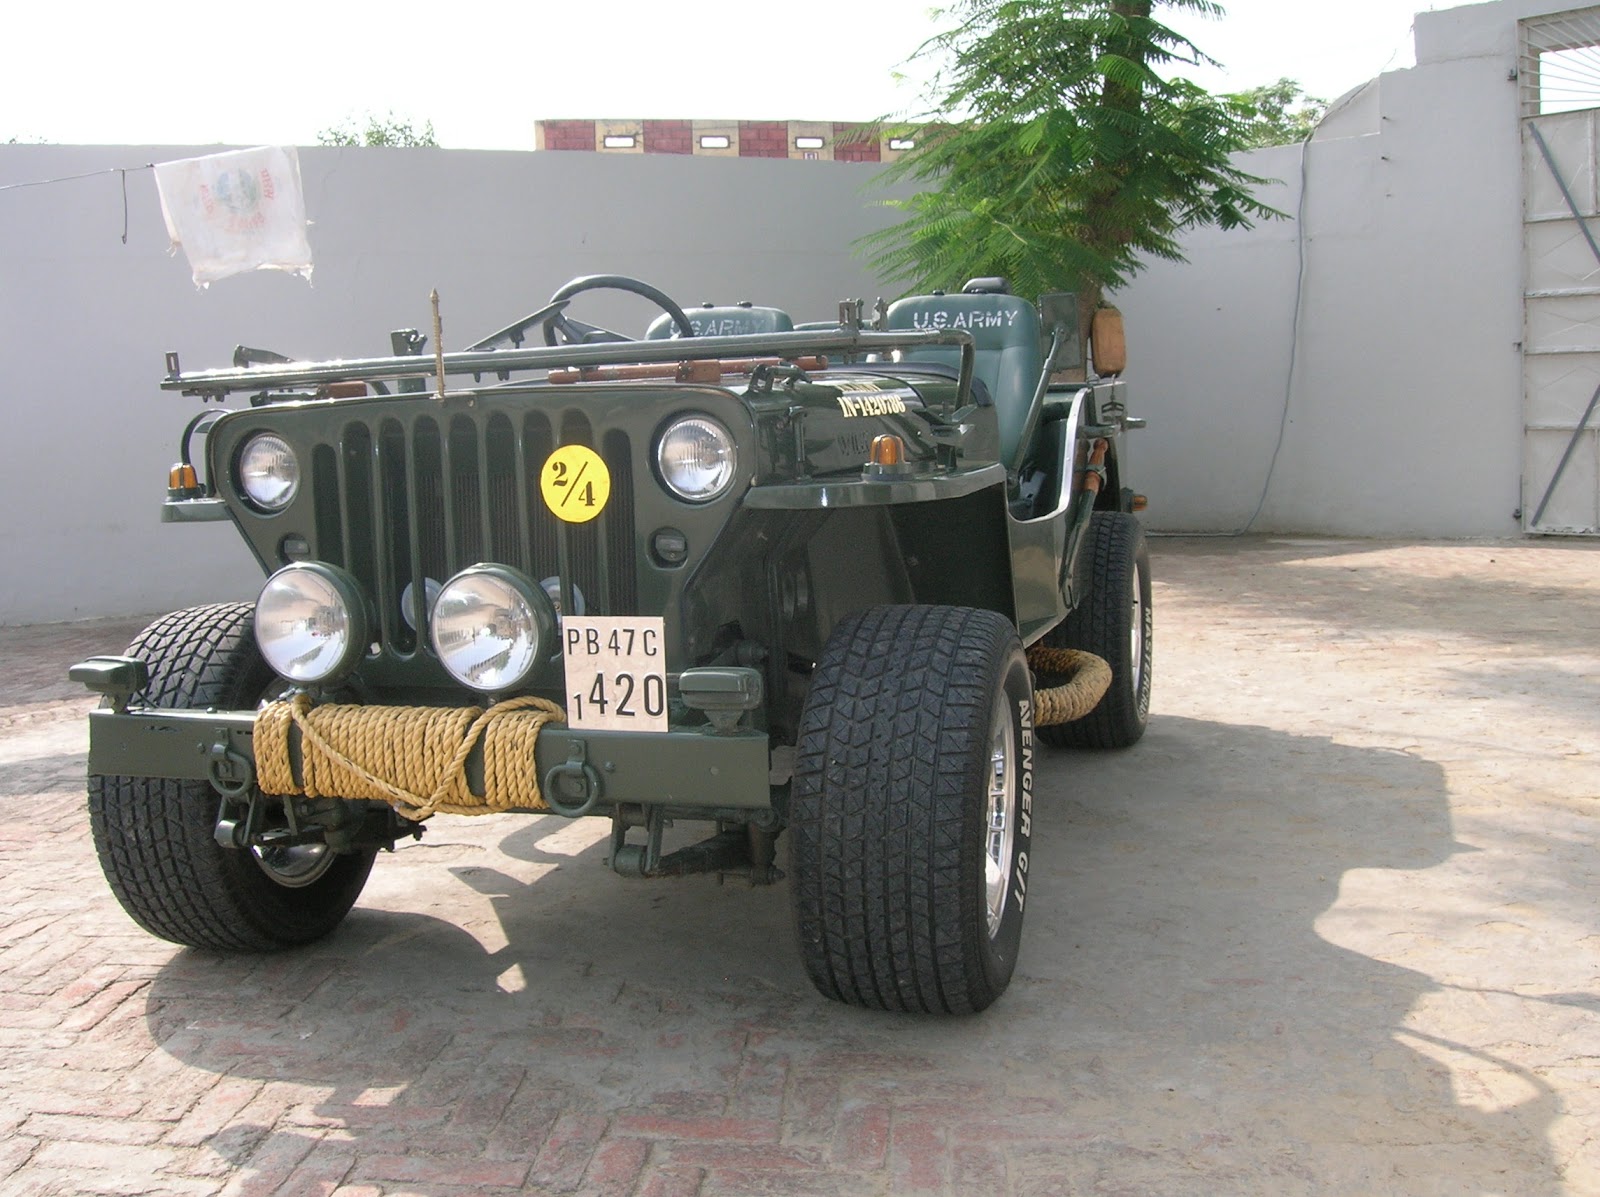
(734, 320)
(1005, 332)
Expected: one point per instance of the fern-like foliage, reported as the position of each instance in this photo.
(1058, 153)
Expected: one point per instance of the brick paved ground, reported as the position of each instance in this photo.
(1330, 928)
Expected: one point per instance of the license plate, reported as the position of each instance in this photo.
(616, 672)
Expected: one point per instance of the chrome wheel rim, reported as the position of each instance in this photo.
(1001, 809)
(296, 866)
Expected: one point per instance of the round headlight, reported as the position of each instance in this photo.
(492, 627)
(269, 472)
(697, 458)
(311, 622)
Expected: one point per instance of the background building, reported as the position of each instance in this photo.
(827, 141)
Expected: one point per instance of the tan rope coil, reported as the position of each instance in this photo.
(1087, 678)
(413, 758)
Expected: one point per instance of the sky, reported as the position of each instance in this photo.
(483, 72)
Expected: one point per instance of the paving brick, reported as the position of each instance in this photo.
(683, 1103)
(330, 1114)
(270, 1165)
(1266, 831)
(759, 1085)
(810, 1106)
(94, 1129)
(670, 1182)
(861, 1140)
(615, 1167)
(106, 1004)
(486, 1097)
(918, 1157)
(15, 1151)
(710, 1130)
(728, 1157)
(451, 1170)
(114, 1159)
(735, 1183)
(215, 1110)
(564, 1156)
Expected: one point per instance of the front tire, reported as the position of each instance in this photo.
(155, 836)
(911, 811)
(1114, 621)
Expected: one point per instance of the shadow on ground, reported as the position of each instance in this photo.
(1178, 1024)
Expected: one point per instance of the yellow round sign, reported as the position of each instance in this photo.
(575, 483)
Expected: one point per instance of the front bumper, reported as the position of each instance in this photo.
(692, 770)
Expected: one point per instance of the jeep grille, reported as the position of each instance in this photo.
(407, 497)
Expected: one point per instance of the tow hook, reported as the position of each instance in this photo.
(232, 773)
(573, 787)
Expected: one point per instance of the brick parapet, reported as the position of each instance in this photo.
(852, 144)
(763, 139)
(566, 135)
(669, 137)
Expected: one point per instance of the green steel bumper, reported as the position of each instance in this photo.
(690, 769)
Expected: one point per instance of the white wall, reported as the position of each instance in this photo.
(84, 320)
(1404, 418)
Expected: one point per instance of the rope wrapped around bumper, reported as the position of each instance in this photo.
(413, 758)
(1085, 678)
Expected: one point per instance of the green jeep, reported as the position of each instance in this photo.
(766, 577)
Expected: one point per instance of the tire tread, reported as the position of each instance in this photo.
(879, 819)
(154, 836)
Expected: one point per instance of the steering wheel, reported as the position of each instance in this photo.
(559, 328)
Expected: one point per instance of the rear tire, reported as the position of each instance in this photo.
(155, 836)
(1114, 621)
(911, 811)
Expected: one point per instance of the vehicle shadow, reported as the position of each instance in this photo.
(1217, 994)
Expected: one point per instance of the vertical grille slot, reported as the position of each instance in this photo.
(622, 584)
(395, 504)
(355, 485)
(537, 445)
(329, 516)
(508, 541)
(465, 501)
(427, 466)
(413, 496)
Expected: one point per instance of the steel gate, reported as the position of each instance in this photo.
(1559, 77)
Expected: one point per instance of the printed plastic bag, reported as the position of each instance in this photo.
(238, 211)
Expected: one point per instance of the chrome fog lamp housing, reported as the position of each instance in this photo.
(311, 623)
(697, 458)
(491, 628)
(269, 471)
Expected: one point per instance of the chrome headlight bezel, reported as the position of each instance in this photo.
(267, 471)
(522, 603)
(343, 609)
(682, 448)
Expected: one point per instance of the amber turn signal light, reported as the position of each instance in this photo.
(183, 482)
(887, 450)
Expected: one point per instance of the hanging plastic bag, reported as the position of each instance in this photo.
(243, 210)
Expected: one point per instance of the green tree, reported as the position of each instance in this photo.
(386, 130)
(1277, 113)
(1060, 153)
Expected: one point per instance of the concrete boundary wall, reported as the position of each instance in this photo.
(1405, 415)
(85, 319)
(1404, 418)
